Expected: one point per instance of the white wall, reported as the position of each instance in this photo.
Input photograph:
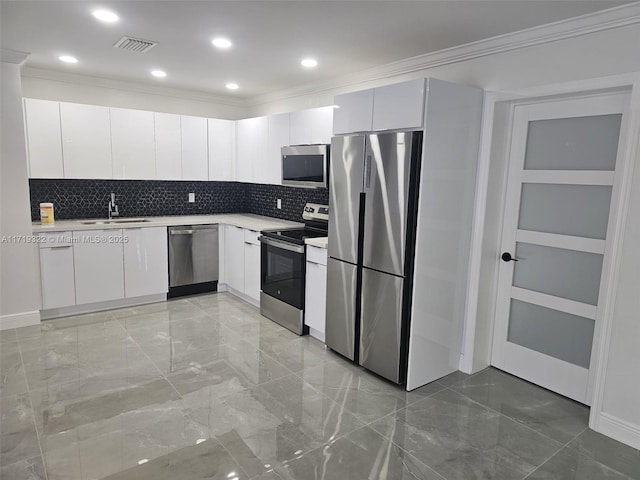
(79, 89)
(587, 56)
(19, 284)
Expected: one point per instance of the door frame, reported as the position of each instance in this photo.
(491, 184)
(569, 107)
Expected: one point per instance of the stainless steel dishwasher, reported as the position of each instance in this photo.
(193, 259)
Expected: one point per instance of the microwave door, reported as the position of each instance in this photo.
(304, 166)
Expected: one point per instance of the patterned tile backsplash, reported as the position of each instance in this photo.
(139, 198)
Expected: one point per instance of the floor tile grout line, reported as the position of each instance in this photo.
(33, 413)
(555, 453)
(150, 359)
(510, 418)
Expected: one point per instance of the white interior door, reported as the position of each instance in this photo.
(562, 178)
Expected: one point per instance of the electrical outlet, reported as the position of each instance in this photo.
(192, 198)
(279, 204)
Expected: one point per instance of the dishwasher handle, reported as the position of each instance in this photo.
(181, 232)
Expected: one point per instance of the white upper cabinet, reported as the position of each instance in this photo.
(399, 106)
(311, 126)
(278, 138)
(222, 139)
(252, 144)
(195, 162)
(392, 107)
(44, 143)
(353, 112)
(168, 146)
(86, 141)
(322, 124)
(133, 144)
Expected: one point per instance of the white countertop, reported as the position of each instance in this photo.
(317, 242)
(242, 220)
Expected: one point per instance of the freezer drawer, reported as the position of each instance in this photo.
(341, 307)
(381, 324)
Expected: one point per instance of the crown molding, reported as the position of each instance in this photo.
(552, 32)
(111, 83)
(13, 56)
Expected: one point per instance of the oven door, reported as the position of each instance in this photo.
(282, 271)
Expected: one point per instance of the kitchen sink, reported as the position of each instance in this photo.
(112, 222)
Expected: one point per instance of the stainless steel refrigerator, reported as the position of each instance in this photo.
(373, 199)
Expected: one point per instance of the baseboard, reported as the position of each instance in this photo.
(318, 335)
(242, 296)
(17, 320)
(100, 306)
(618, 429)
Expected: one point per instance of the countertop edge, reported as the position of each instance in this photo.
(320, 242)
(242, 220)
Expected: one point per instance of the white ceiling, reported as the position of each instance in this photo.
(270, 37)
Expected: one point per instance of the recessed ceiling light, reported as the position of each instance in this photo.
(232, 86)
(309, 63)
(106, 16)
(158, 73)
(221, 42)
(67, 59)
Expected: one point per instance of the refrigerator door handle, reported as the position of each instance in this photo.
(367, 172)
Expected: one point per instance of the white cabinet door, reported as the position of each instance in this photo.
(234, 257)
(278, 138)
(300, 129)
(353, 112)
(145, 261)
(168, 146)
(321, 124)
(221, 134)
(245, 149)
(195, 164)
(261, 164)
(44, 138)
(86, 141)
(315, 303)
(57, 276)
(133, 144)
(98, 265)
(399, 106)
(252, 270)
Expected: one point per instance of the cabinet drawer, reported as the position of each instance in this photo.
(55, 239)
(251, 236)
(316, 255)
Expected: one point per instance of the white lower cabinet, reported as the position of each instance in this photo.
(56, 270)
(98, 265)
(315, 302)
(252, 264)
(145, 261)
(234, 257)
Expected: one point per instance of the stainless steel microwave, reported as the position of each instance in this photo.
(305, 166)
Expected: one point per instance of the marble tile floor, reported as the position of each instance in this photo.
(206, 388)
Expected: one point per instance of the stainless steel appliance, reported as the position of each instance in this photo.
(305, 166)
(282, 269)
(193, 259)
(373, 194)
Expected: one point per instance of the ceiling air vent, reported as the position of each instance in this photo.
(137, 45)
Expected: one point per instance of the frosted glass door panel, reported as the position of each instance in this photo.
(557, 334)
(559, 272)
(577, 210)
(582, 143)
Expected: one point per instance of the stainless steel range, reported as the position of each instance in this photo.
(282, 270)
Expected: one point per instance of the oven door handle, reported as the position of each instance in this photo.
(280, 244)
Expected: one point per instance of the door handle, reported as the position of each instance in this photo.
(506, 257)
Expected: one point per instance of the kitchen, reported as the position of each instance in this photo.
(237, 144)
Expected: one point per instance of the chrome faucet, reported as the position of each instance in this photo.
(113, 208)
